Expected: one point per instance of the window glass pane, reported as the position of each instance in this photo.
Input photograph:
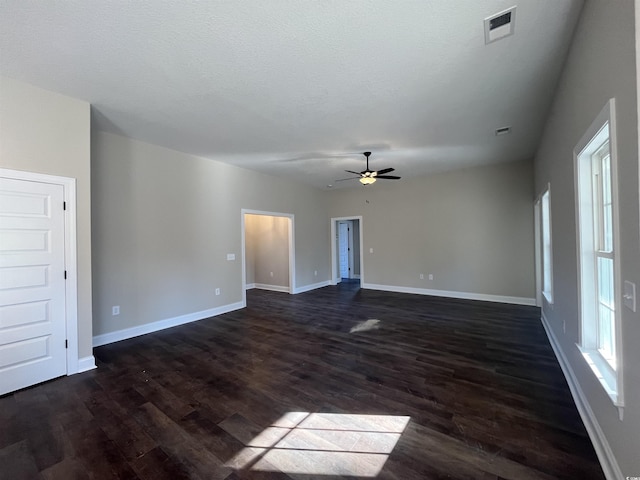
(605, 282)
(607, 222)
(607, 227)
(606, 180)
(546, 246)
(605, 314)
(606, 334)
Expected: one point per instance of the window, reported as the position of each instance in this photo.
(603, 238)
(595, 165)
(547, 265)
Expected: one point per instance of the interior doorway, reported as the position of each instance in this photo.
(346, 250)
(346, 265)
(267, 251)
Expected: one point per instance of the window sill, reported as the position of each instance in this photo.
(603, 372)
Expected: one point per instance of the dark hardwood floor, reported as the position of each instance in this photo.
(435, 389)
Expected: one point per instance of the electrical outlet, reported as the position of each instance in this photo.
(231, 256)
(315, 273)
(422, 276)
(115, 310)
(371, 250)
(431, 276)
(217, 291)
(271, 273)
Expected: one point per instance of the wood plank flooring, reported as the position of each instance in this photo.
(436, 389)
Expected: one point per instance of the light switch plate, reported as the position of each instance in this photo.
(629, 295)
(231, 256)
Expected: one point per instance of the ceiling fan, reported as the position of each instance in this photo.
(367, 177)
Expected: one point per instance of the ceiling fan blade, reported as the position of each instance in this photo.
(389, 177)
(355, 173)
(385, 170)
(343, 179)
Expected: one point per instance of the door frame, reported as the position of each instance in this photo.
(335, 273)
(70, 256)
(292, 247)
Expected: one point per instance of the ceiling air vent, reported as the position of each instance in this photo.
(503, 131)
(499, 25)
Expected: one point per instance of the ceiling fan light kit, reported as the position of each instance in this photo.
(367, 180)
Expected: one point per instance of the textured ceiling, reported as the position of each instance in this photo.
(288, 86)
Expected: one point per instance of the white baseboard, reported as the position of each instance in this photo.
(603, 450)
(272, 288)
(86, 363)
(313, 286)
(138, 330)
(450, 294)
(249, 286)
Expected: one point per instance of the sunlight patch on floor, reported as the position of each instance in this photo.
(371, 324)
(323, 444)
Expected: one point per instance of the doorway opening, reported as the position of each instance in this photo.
(268, 257)
(346, 250)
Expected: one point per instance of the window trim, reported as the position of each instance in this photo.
(610, 379)
(547, 294)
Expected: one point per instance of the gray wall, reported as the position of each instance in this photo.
(267, 250)
(601, 65)
(164, 222)
(471, 229)
(45, 132)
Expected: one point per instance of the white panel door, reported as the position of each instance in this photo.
(343, 253)
(32, 284)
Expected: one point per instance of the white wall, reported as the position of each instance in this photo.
(601, 64)
(45, 132)
(164, 222)
(471, 229)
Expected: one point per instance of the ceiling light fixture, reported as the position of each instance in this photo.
(367, 180)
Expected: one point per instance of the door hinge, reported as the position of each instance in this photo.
(65, 274)
(64, 205)
(66, 344)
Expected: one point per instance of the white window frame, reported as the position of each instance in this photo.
(609, 373)
(546, 245)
